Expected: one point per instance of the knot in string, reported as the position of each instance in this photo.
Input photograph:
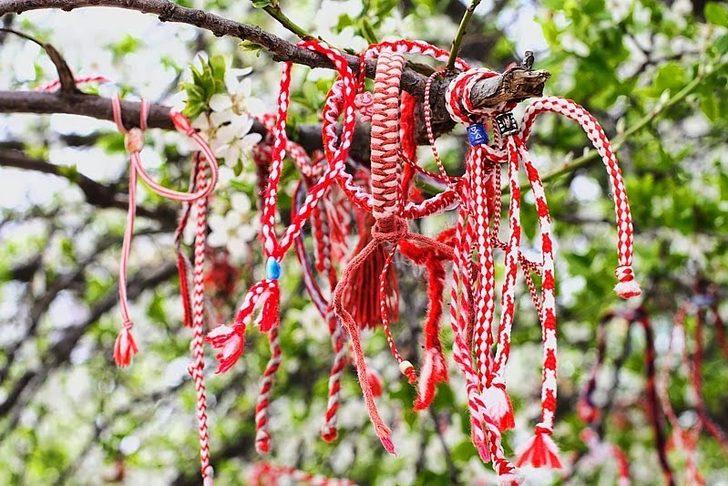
(391, 228)
(458, 100)
(182, 123)
(118, 118)
(134, 140)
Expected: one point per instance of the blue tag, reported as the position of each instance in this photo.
(477, 134)
(272, 269)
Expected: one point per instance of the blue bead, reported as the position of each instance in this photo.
(272, 269)
(477, 134)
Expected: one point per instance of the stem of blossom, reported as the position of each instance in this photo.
(455, 47)
(274, 10)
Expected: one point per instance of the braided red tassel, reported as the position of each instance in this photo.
(230, 343)
(539, 451)
(125, 346)
(498, 404)
(362, 297)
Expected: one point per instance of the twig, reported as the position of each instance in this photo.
(455, 47)
(452, 469)
(274, 10)
(65, 76)
(97, 194)
(61, 350)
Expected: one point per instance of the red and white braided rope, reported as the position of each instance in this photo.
(201, 187)
(197, 366)
(627, 285)
(262, 433)
(547, 315)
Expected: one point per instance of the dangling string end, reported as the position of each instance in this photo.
(125, 346)
(627, 287)
(540, 450)
(208, 476)
(434, 371)
(498, 404)
(229, 342)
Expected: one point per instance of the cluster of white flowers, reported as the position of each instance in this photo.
(228, 123)
(227, 128)
(233, 227)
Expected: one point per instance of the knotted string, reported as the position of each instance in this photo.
(125, 347)
(229, 340)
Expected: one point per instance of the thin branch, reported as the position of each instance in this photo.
(646, 120)
(451, 467)
(274, 10)
(97, 194)
(65, 76)
(60, 351)
(455, 47)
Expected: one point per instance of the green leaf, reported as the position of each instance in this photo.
(716, 13)
(671, 75)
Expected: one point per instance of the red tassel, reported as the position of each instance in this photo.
(498, 405)
(184, 288)
(361, 298)
(586, 412)
(270, 315)
(539, 451)
(433, 371)
(229, 342)
(125, 347)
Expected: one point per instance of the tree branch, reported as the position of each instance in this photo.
(61, 350)
(97, 194)
(279, 49)
(65, 76)
(274, 10)
(455, 47)
(622, 138)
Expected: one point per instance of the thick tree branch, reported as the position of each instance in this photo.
(279, 49)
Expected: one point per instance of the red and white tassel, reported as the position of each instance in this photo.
(125, 346)
(432, 372)
(375, 382)
(539, 451)
(498, 405)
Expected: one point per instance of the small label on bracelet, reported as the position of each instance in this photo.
(507, 124)
(477, 134)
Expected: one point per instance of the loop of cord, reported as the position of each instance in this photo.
(230, 340)
(200, 188)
